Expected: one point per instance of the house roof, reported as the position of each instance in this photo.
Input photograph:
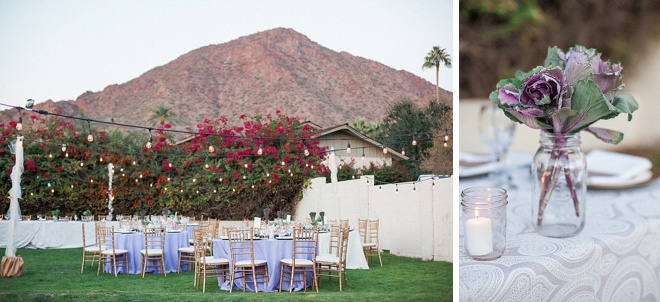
(354, 132)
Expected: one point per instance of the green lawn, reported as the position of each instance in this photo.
(55, 275)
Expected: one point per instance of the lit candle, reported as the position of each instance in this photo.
(479, 235)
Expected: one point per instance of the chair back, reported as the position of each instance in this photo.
(105, 238)
(226, 229)
(373, 231)
(154, 239)
(362, 227)
(344, 223)
(304, 244)
(343, 246)
(26, 217)
(241, 245)
(335, 234)
(200, 244)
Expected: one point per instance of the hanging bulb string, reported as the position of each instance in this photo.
(429, 134)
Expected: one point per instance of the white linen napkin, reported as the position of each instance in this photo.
(475, 164)
(611, 168)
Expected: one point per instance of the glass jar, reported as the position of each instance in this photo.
(484, 222)
(559, 186)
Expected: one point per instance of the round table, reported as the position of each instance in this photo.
(134, 242)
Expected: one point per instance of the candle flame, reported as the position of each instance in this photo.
(476, 213)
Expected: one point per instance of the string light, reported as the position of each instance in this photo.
(445, 144)
(66, 154)
(306, 151)
(446, 135)
(403, 152)
(384, 149)
(211, 148)
(90, 137)
(207, 165)
(414, 141)
(397, 188)
(81, 163)
(19, 125)
(260, 151)
(348, 148)
(101, 158)
(151, 138)
(63, 147)
(362, 155)
(50, 155)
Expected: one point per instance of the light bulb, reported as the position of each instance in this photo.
(348, 148)
(206, 166)
(63, 148)
(233, 190)
(170, 164)
(50, 155)
(211, 149)
(283, 163)
(134, 163)
(101, 159)
(403, 152)
(414, 142)
(168, 179)
(19, 126)
(306, 151)
(244, 177)
(246, 166)
(81, 164)
(220, 178)
(148, 145)
(445, 144)
(194, 180)
(91, 180)
(214, 191)
(384, 149)
(446, 137)
(140, 175)
(312, 166)
(260, 151)
(90, 137)
(67, 154)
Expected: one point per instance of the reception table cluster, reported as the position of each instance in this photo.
(273, 242)
(614, 258)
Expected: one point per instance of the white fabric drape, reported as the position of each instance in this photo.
(15, 193)
(111, 172)
(333, 179)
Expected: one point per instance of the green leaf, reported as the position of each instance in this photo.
(606, 135)
(553, 58)
(625, 103)
(589, 104)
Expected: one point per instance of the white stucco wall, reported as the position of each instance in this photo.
(413, 223)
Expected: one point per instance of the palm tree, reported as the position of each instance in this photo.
(434, 58)
(161, 114)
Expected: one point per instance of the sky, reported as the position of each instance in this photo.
(60, 49)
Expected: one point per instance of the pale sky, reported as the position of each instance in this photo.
(60, 49)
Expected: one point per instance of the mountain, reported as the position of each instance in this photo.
(270, 70)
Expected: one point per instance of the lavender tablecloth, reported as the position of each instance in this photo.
(271, 250)
(134, 242)
(615, 258)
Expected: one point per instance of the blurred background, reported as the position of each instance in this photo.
(499, 37)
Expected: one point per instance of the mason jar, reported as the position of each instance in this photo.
(559, 186)
(484, 222)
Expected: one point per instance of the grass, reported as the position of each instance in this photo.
(54, 275)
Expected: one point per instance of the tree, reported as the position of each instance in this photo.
(440, 156)
(436, 57)
(370, 129)
(406, 118)
(161, 115)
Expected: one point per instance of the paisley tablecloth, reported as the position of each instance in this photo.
(615, 258)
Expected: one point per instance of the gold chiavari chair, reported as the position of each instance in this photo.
(109, 253)
(371, 245)
(303, 248)
(241, 245)
(90, 253)
(207, 266)
(154, 249)
(334, 265)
